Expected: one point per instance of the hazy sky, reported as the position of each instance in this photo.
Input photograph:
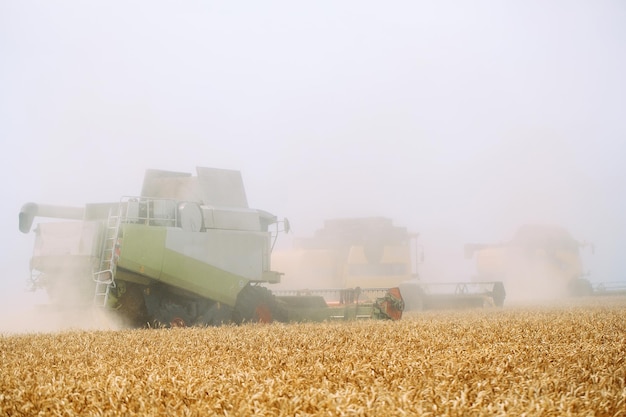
(459, 120)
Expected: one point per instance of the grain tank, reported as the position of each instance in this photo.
(350, 252)
(187, 251)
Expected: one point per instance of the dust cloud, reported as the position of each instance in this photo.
(33, 312)
(459, 121)
(42, 318)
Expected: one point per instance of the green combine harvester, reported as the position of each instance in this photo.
(187, 251)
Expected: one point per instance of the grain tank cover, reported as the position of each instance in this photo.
(169, 184)
(222, 187)
(212, 187)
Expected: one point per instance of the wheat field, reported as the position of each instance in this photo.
(557, 361)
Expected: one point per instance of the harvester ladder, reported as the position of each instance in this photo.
(104, 277)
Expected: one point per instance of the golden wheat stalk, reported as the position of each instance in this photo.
(559, 361)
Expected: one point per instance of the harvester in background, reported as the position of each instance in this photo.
(187, 251)
(541, 261)
(372, 252)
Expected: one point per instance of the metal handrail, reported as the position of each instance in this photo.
(145, 210)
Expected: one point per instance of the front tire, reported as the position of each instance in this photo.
(256, 304)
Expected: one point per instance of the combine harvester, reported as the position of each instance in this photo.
(371, 252)
(538, 256)
(187, 251)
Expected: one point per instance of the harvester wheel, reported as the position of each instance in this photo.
(216, 315)
(178, 322)
(132, 308)
(255, 304)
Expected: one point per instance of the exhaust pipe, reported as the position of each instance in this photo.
(31, 210)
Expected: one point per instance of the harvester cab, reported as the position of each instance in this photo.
(187, 251)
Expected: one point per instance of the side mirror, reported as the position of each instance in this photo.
(286, 225)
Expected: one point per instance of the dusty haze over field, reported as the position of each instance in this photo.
(459, 120)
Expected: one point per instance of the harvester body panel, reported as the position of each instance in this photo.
(64, 256)
(215, 264)
(72, 238)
